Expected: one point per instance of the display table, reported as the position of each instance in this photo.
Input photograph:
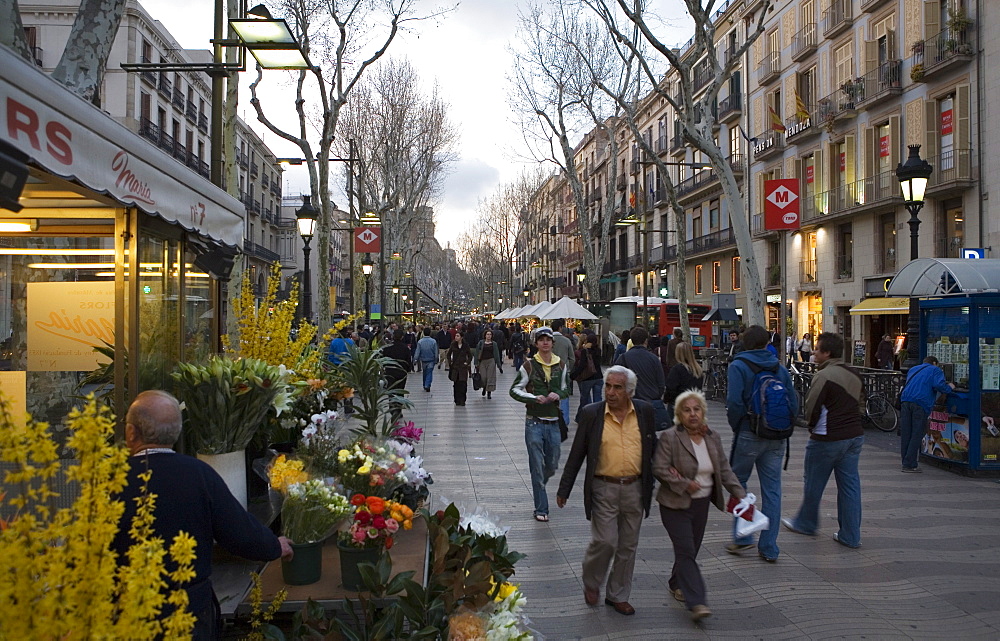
(408, 553)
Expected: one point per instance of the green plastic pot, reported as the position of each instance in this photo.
(306, 565)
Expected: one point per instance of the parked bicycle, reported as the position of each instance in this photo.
(716, 371)
(880, 412)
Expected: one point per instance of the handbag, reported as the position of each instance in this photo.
(742, 507)
(746, 528)
(477, 380)
(586, 368)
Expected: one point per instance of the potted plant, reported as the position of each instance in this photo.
(917, 48)
(226, 402)
(311, 511)
(958, 21)
(370, 533)
(917, 72)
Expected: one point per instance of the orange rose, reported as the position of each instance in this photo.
(358, 500)
(375, 504)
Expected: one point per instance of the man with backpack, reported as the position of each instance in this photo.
(833, 409)
(761, 406)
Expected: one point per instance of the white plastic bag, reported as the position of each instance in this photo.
(745, 527)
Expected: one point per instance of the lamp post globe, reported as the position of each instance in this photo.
(367, 266)
(913, 176)
(305, 219)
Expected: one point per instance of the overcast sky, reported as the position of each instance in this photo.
(464, 52)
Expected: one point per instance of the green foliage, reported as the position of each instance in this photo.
(364, 372)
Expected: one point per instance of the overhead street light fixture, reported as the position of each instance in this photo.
(367, 266)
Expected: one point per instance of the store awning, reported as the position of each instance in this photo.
(926, 277)
(875, 306)
(721, 314)
(71, 139)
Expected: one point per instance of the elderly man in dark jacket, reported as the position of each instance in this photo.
(618, 486)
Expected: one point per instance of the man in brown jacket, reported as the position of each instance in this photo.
(616, 438)
(833, 410)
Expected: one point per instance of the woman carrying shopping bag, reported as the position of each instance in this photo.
(693, 472)
(459, 365)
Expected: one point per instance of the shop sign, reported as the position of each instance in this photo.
(781, 204)
(773, 299)
(883, 147)
(66, 321)
(72, 139)
(877, 286)
(367, 240)
(973, 252)
(798, 128)
(764, 144)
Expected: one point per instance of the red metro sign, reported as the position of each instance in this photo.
(781, 204)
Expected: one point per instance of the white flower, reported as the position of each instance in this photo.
(481, 523)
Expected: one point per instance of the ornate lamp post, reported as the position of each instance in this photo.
(305, 217)
(913, 175)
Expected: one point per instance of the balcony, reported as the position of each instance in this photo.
(871, 5)
(797, 130)
(276, 188)
(572, 258)
(259, 251)
(757, 227)
(242, 159)
(254, 172)
(147, 75)
(879, 191)
(731, 108)
(180, 152)
(804, 42)
(178, 99)
(202, 123)
(947, 50)
(772, 278)
(191, 112)
(713, 242)
(677, 144)
(837, 19)
(165, 87)
(952, 173)
(880, 84)
(840, 105)
(166, 142)
(702, 76)
(661, 144)
(621, 183)
(768, 144)
(770, 68)
(703, 181)
(807, 272)
(149, 130)
(728, 54)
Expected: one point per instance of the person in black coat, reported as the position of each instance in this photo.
(395, 375)
(684, 375)
(617, 486)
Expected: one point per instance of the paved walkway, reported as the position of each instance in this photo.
(929, 566)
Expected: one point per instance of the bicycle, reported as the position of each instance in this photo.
(715, 380)
(880, 412)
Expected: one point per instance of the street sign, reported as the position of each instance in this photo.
(973, 252)
(781, 204)
(367, 240)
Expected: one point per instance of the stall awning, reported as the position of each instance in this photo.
(875, 306)
(721, 314)
(69, 138)
(926, 277)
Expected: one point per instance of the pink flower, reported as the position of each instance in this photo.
(358, 535)
(392, 525)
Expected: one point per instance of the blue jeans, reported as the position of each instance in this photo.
(841, 458)
(428, 372)
(912, 427)
(518, 360)
(564, 408)
(590, 392)
(766, 455)
(542, 439)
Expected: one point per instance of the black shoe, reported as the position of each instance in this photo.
(484, 391)
(427, 389)
(489, 394)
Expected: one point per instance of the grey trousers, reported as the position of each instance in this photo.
(615, 518)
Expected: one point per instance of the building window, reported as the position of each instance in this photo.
(947, 124)
(845, 251)
(145, 106)
(697, 279)
(887, 242)
(951, 229)
(736, 273)
(716, 276)
(713, 215)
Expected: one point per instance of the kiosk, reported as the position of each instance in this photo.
(960, 325)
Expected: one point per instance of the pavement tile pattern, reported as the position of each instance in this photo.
(928, 568)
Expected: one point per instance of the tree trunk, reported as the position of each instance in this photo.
(12, 30)
(81, 67)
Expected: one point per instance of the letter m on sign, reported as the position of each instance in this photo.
(781, 204)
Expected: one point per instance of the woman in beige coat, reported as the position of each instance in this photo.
(693, 471)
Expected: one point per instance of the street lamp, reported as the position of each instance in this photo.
(913, 175)
(305, 218)
(580, 277)
(367, 266)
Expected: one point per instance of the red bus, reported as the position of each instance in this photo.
(661, 316)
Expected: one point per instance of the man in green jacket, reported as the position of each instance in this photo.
(541, 383)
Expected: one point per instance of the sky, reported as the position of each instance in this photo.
(465, 52)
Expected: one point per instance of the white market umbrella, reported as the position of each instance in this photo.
(566, 307)
(512, 313)
(502, 315)
(529, 311)
(540, 312)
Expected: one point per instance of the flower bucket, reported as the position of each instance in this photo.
(232, 467)
(350, 559)
(306, 565)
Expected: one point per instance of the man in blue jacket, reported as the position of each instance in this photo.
(923, 382)
(748, 448)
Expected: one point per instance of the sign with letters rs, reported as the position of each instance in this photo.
(781, 204)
